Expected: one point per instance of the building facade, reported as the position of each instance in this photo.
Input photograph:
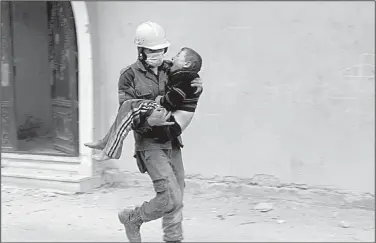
(289, 89)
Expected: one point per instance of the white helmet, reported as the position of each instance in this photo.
(151, 35)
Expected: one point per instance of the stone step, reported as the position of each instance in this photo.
(41, 162)
(42, 178)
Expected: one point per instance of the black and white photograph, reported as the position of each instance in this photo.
(187, 121)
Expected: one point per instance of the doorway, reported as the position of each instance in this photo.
(39, 78)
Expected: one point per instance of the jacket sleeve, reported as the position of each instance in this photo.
(126, 89)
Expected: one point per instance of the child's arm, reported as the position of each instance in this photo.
(183, 118)
(184, 108)
(181, 121)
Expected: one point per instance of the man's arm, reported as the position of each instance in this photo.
(197, 83)
(126, 89)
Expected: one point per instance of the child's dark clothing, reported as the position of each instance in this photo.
(180, 95)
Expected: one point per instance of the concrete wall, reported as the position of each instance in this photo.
(279, 99)
(33, 76)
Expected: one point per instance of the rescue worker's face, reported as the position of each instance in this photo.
(154, 57)
(179, 62)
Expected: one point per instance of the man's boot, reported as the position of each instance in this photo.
(131, 219)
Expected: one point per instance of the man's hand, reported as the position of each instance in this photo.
(197, 82)
(159, 117)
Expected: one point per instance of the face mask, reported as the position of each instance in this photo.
(155, 59)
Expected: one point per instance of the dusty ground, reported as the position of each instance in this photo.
(35, 215)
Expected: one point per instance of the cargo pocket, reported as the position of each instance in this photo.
(143, 92)
(140, 162)
(163, 194)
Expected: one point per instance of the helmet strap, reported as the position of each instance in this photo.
(141, 54)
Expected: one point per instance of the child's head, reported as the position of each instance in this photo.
(187, 59)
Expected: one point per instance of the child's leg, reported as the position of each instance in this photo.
(129, 114)
(101, 143)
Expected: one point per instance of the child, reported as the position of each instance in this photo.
(180, 98)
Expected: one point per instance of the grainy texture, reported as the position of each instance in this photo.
(35, 215)
(300, 83)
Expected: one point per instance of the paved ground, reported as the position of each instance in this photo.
(35, 215)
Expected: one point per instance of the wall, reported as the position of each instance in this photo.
(279, 99)
(32, 81)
